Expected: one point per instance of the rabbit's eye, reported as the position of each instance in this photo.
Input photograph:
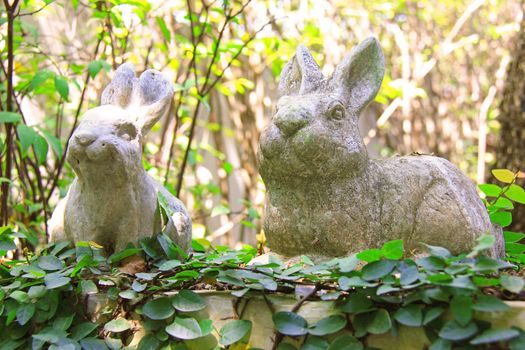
(337, 112)
(127, 131)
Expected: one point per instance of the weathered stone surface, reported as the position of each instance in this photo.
(113, 200)
(327, 198)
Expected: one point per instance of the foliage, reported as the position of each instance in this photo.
(500, 202)
(439, 292)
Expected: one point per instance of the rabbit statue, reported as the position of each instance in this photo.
(325, 197)
(113, 201)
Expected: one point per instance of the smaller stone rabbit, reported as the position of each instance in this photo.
(113, 201)
(325, 197)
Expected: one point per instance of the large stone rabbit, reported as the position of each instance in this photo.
(327, 198)
(113, 200)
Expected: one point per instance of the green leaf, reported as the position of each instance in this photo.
(9, 117)
(93, 344)
(502, 218)
(513, 284)
(410, 315)
(494, 336)
(94, 67)
(512, 237)
(82, 330)
(27, 137)
(25, 313)
(118, 325)
(437, 251)
(36, 292)
(328, 325)
(40, 78)
(148, 342)
(377, 269)
(54, 142)
(503, 175)
(441, 344)
(379, 322)
(188, 301)
(20, 296)
(62, 86)
(290, 323)
(220, 210)
(88, 287)
(393, 249)
(370, 255)
(345, 283)
(454, 331)
(490, 190)
(516, 193)
(431, 263)
(158, 309)
(50, 335)
(55, 280)
(234, 331)
(164, 29)
(409, 275)
(41, 148)
(485, 242)
(356, 303)
(126, 253)
(461, 307)
(489, 303)
(348, 263)
(346, 342)
(432, 314)
(50, 263)
(63, 322)
(184, 328)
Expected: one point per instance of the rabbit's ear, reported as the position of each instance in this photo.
(358, 77)
(121, 89)
(155, 94)
(301, 74)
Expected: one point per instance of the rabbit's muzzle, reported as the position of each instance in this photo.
(291, 121)
(85, 145)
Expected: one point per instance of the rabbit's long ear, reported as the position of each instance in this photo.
(301, 74)
(155, 94)
(121, 89)
(358, 77)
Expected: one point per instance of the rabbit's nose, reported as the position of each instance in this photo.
(84, 138)
(290, 123)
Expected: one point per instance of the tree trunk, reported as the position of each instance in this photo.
(510, 148)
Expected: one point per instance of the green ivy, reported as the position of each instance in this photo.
(375, 291)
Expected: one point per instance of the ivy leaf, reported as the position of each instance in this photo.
(503, 175)
(494, 336)
(441, 344)
(461, 307)
(55, 280)
(356, 303)
(20, 296)
(328, 325)
(502, 218)
(24, 313)
(409, 275)
(346, 342)
(489, 303)
(234, 331)
(158, 309)
(184, 328)
(410, 315)
(512, 237)
(188, 301)
(148, 342)
(93, 344)
(393, 250)
(377, 322)
(370, 255)
(432, 314)
(345, 283)
(516, 193)
(118, 325)
(513, 284)
(50, 263)
(437, 251)
(377, 269)
(290, 323)
(82, 330)
(454, 331)
(490, 190)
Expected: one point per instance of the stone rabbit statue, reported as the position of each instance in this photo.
(113, 201)
(325, 197)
